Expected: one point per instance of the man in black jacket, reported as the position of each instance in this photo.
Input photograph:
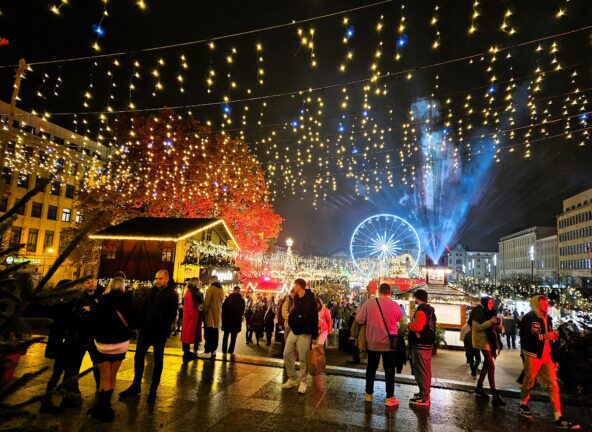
(233, 310)
(155, 322)
(536, 335)
(85, 303)
(304, 326)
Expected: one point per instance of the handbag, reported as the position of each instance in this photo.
(316, 360)
(393, 339)
(114, 348)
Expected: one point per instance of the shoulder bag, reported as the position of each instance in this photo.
(393, 339)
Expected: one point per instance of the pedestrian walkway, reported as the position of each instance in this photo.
(230, 396)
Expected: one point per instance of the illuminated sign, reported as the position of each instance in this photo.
(18, 260)
(223, 275)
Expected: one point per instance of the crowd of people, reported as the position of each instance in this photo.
(102, 322)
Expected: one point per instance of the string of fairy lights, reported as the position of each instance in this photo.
(345, 131)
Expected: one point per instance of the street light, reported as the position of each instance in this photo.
(494, 269)
(531, 254)
(289, 242)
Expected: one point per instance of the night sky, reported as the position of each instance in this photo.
(516, 192)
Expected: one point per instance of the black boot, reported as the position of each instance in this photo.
(47, 407)
(497, 400)
(101, 411)
(479, 391)
(152, 396)
(132, 390)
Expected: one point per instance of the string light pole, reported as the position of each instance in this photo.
(531, 254)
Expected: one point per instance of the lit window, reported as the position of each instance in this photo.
(66, 214)
(167, 255)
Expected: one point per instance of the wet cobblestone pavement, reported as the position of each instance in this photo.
(232, 396)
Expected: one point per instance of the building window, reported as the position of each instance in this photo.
(110, 252)
(21, 211)
(73, 168)
(69, 191)
(3, 204)
(38, 181)
(42, 158)
(11, 148)
(66, 214)
(55, 188)
(47, 241)
(61, 244)
(52, 212)
(7, 175)
(32, 240)
(15, 235)
(167, 255)
(28, 152)
(36, 210)
(23, 180)
(78, 216)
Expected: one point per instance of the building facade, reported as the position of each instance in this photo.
(518, 252)
(546, 264)
(36, 149)
(478, 264)
(574, 227)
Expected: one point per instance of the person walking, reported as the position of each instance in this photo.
(156, 319)
(84, 305)
(422, 337)
(325, 325)
(304, 330)
(233, 310)
(536, 336)
(483, 322)
(473, 356)
(381, 317)
(189, 329)
(212, 309)
(249, 328)
(337, 313)
(269, 322)
(284, 314)
(258, 319)
(510, 327)
(112, 333)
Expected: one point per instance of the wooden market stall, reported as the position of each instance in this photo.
(185, 247)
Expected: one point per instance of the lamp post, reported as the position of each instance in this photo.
(494, 269)
(531, 254)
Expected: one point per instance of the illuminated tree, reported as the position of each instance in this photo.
(167, 165)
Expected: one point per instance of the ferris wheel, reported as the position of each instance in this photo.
(382, 239)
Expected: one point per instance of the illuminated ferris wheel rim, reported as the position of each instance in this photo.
(385, 245)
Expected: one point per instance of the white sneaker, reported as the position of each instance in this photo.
(205, 355)
(302, 387)
(290, 384)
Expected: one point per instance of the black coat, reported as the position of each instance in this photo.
(63, 341)
(269, 319)
(159, 312)
(108, 327)
(258, 320)
(304, 318)
(85, 325)
(233, 310)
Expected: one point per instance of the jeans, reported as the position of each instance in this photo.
(510, 338)
(388, 363)
(230, 349)
(211, 335)
(67, 367)
(336, 324)
(144, 342)
(422, 369)
(487, 370)
(300, 343)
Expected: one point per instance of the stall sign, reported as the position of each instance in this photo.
(223, 275)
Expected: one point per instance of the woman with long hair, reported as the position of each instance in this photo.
(112, 334)
(484, 322)
(190, 331)
(324, 321)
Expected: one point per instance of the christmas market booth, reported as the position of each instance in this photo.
(185, 247)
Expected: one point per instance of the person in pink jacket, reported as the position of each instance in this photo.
(324, 322)
(381, 316)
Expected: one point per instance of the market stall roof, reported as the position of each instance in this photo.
(441, 291)
(160, 229)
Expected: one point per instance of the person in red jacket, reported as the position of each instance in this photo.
(324, 321)
(190, 331)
